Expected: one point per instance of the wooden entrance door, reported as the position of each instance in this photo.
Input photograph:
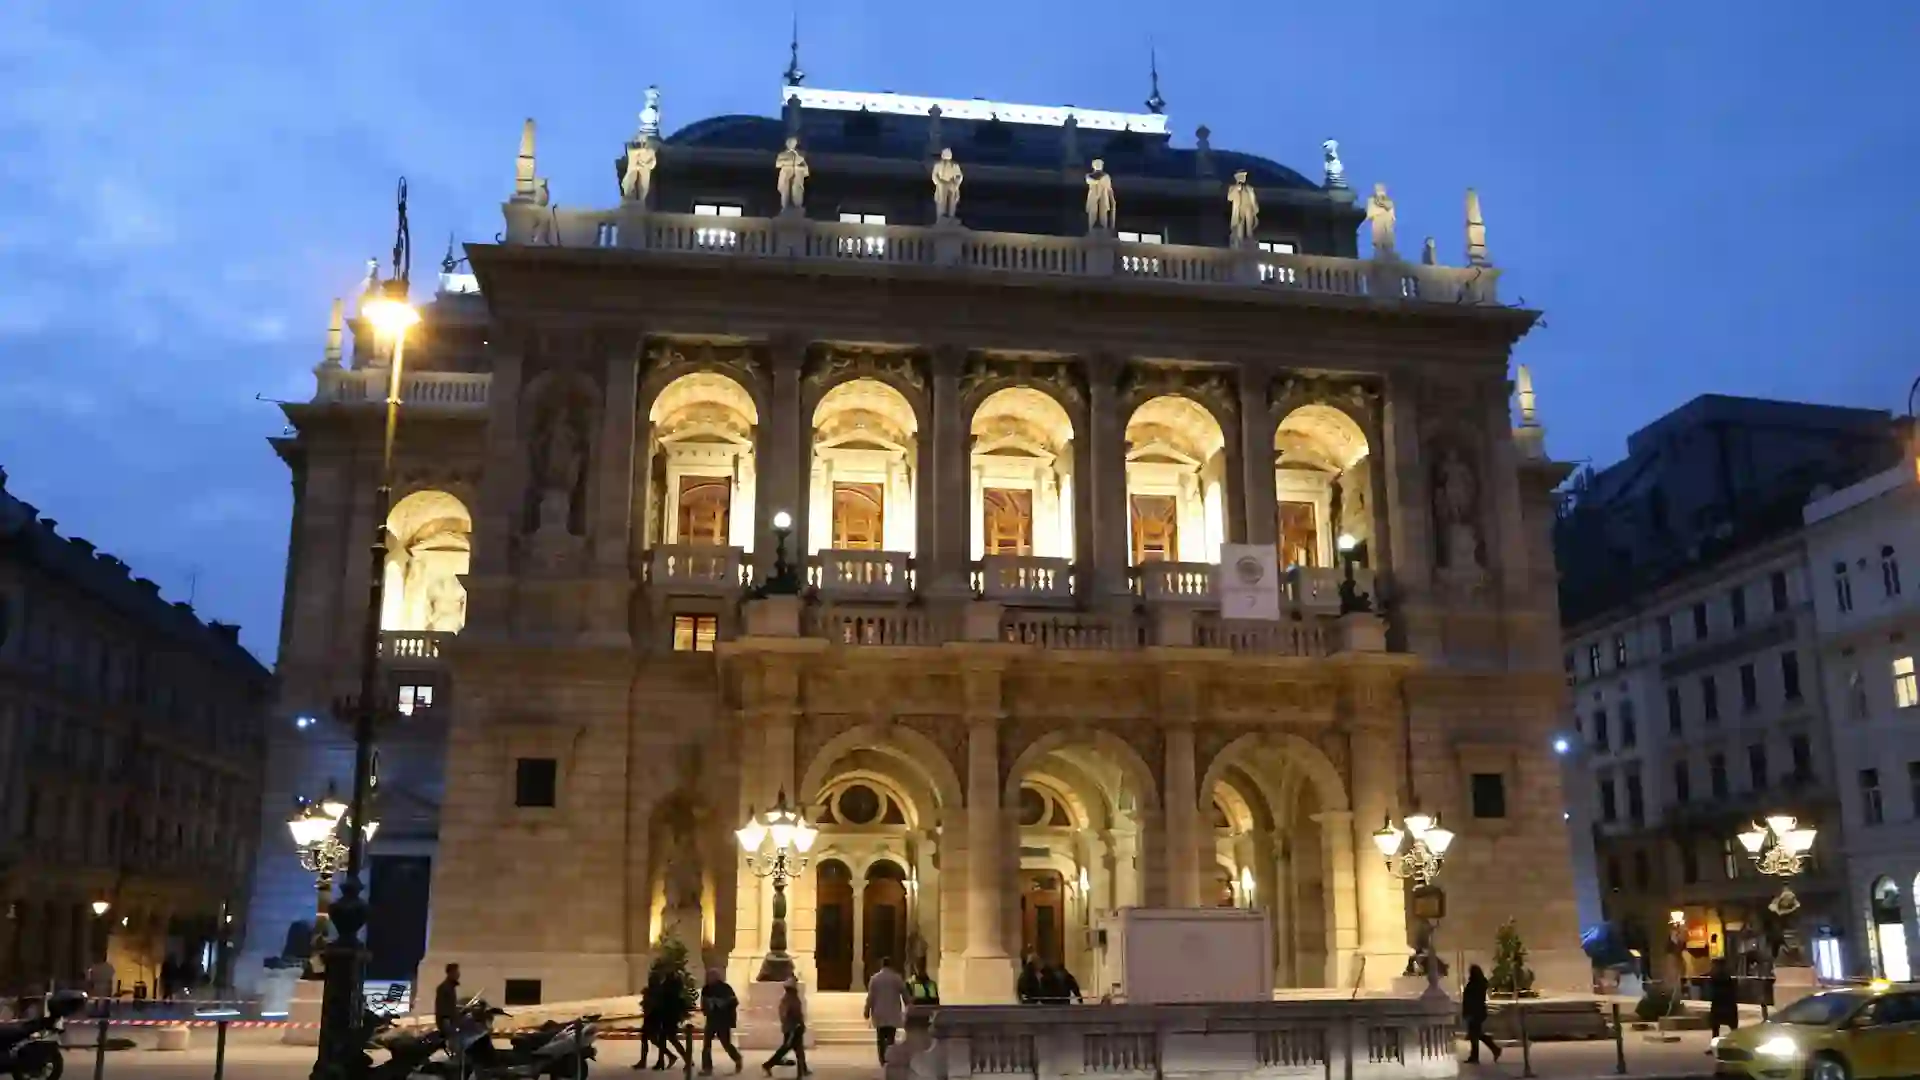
(704, 505)
(1043, 917)
(859, 517)
(833, 946)
(1007, 520)
(1299, 535)
(883, 930)
(1156, 528)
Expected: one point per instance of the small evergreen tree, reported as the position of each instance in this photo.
(670, 958)
(1510, 973)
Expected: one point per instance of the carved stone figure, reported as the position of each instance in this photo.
(636, 173)
(1455, 498)
(446, 605)
(1429, 255)
(791, 165)
(946, 186)
(650, 115)
(1101, 205)
(541, 196)
(1380, 215)
(1244, 204)
(1336, 173)
(558, 470)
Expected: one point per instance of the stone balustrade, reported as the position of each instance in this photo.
(443, 389)
(874, 574)
(1317, 588)
(1024, 579)
(1365, 1039)
(696, 569)
(412, 647)
(957, 248)
(1179, 582)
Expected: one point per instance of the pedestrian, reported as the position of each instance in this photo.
(660, 1013)
(921, 988)
(1030, 989)
(169, 978)
(793, 1032)
(1473, 1009)
(1069, 986)
(720, 1010)
(446, 1003)
(886, 1006)
(1723, 999)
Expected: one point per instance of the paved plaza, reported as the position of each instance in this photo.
(258, 1055)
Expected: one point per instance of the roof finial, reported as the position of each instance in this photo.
(794, 75)
(1155, 103)
(448, 264)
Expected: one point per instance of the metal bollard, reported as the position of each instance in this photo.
(579, 1055)
(100, 1052)
(1619, 1043)
(220, 1050)
(688, 1032)
(1526, 1044)
(1763, 1008)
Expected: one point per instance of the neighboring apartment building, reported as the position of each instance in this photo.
(1863, 548)
(1691, 659)
(130, 754)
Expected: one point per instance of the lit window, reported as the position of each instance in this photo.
(863, 246)
(695, 633)
(415, 697)
(1619, 650)
(1276, 271)
(1906, 693)
(714, 237)
(1140, 264)
(1141, 238)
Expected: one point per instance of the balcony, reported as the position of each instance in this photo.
(697, 569)
(873, 575)
(1316, 589)
(1024, 579)
(413, 648)
(959, 249)
(420, 389)
(1175, 582)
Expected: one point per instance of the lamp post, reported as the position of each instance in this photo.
(784, 580)
(342, 1054)
(321, 834)
(1779, 848)
(1415, 853)
(776, 845)
(1352, 600)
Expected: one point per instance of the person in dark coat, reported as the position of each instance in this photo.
(1723, 999)
(793, 1032)
(1473, 1009)
(661, 1012)
(720, 1008)
(1031, 988)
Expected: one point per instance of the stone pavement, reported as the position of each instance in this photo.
(257, 1055)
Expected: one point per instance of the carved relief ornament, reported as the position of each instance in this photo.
(835, 363)
(673, 357)
(1290, 390)
(1214, 387)
(1059, 375)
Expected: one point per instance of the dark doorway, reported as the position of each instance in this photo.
(883, 934)
(397, 916)
(1043, 912)
(833, 950)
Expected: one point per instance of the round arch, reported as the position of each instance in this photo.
(429, 547)
(1069, 401)
(1320, 771)
(902, 743)
(675, 365)
(1188, 401)
(816, 392)
(1111, 745)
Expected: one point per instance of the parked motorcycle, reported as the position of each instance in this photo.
(30, 1049)
(562, 1051)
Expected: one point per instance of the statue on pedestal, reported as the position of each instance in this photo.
(558, 472)
(1101, 205)
(946, 186)
(636, 172)
(1380, 215)
(650, 116)
(791, 166)
(1455, 499)
(1244, 205)
(1429, 255)
(1336, 173)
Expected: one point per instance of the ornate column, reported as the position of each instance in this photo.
(945, 553)
(1182, 818)
(1102, 533)
(782, 452)
(1256, 459)
(1381, 896)
(989, 970)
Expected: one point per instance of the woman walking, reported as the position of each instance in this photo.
(1473, 1009)
(793, 1032)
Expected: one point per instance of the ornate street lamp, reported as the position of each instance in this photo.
(321, 834)
(776, 845)
(1779, 848)
(342, 1053)
(1352, 600)
(784, 580)
(1420, 860)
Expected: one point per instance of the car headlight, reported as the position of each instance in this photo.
(1778, 1047)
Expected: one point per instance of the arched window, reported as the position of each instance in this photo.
(1889, 571)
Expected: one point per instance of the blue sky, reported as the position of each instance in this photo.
(1702, 195)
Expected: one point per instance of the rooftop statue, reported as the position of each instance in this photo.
(1380, 213)
(1101, 205)
(636, 172)
(1244, 204)
(1336, 172)
(650, 115)
(1429, 255)
(791, 165)
(946, 186)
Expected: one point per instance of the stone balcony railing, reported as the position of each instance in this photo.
(697, 569)
(793, 237)
(1024, 579)
(368, 386)
(872, 574)
(1317, 588)
(413, 648)
(1366, 1039)
(1175, 582)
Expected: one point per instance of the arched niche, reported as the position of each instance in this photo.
(429, 547)
(1323, 485)
(702, 470)
(865, 468)
(1022, 475)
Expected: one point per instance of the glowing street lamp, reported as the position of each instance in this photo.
(1420, 859)
(1780, 847)
(776, 845)
(1352, 600)
(784, 580)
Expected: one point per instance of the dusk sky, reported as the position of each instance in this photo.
(1702, 196)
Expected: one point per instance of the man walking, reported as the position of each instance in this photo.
(446, 1001)
(721, 1008)
(793, 1032)
(886, 1005)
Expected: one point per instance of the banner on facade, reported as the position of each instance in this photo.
(1249, 582)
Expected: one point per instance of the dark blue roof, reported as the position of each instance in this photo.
(987, 142)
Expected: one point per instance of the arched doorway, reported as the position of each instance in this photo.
(1043, 917)
(1888, 931)
(883, 929)
(1022, 476)
(701, 467)
(833, 951)
(1176, 483)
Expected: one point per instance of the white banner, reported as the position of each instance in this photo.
(1249, 582)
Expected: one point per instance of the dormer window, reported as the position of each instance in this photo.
(716, 237)
(1270, 272)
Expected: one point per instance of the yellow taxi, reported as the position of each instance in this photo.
(1859, 1033)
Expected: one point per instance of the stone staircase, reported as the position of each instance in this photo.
(834, 1017)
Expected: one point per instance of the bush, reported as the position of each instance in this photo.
(1510, 972)
(671, 957)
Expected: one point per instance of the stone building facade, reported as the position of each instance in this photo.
(130, 749)
(1012, 449)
